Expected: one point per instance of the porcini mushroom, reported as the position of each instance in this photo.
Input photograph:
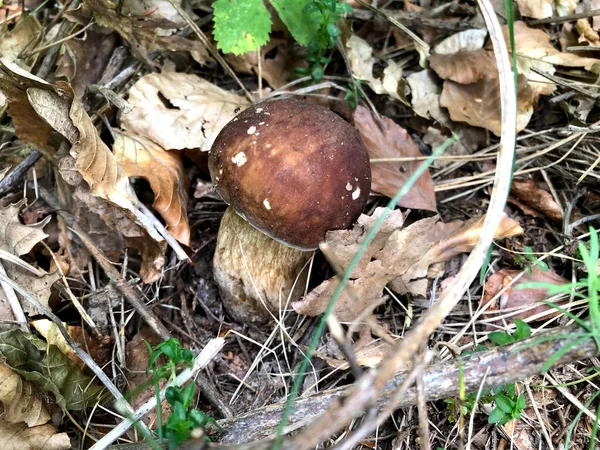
(291, 171)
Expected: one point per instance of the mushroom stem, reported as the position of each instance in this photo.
(256, 275)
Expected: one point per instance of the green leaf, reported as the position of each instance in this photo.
(504, 403)
(51, 371)
(241, 26)
(332, 30)
(523, 330)
(500, 338)
(495, 416)
(343, 8)
(303, 26)
(521, 402)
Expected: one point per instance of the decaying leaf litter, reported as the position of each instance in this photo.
(110, 110)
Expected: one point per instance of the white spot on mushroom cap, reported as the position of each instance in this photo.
(239, 159)
(267, 204)
(356, 194)
(348, 186)
(258, 110)
(251, 130)
(261, 123)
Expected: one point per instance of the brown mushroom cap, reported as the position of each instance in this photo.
(292, 169)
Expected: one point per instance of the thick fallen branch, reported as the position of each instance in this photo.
(506, 364)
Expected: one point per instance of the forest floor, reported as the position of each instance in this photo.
(460, 311)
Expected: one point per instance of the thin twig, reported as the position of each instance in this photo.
(583, 15)
(13, 301)
(15, 176)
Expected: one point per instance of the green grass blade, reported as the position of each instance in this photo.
(357, 257)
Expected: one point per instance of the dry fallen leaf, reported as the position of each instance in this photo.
(398, 258)
(388, 177)
(278, 61)
(14, 83)
(464, 67)
(179, 111)
(18, 436)
(100, 348)
(21, 400)
(536, 9)
(478, 104)
(152, 251)
(369, 352)
(464, 41)
(86, 59)
(164, 171)
(151, 29)
(18, 240)
(520, 300)
(360, 56)
(535, 50)
(587, 35)
(541, 201)
(541, 9)
(426, 88)
(137, 361)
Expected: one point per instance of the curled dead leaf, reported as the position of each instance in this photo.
(164, 171)
(389, 176)
(398, 258)
(524, 303)
(360, 56)
(541, 201)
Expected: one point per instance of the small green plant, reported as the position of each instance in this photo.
(243, 26)
(527, 261)
(521, 332)
(328, 13)
(183, 419)
(509, 405)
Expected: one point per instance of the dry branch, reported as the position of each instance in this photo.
(507, 364)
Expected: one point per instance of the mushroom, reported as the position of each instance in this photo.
(291, 171)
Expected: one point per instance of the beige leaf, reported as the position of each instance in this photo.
(179, 111)
(534, 50)
(18, 436)
(388, 177)
(536, 9)
(425, 89)
(164, 171)
(19, 239)
(360, 55)
(464, 67)
(399, 259)
(468, 40)
(478, 104)
(21, 400)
